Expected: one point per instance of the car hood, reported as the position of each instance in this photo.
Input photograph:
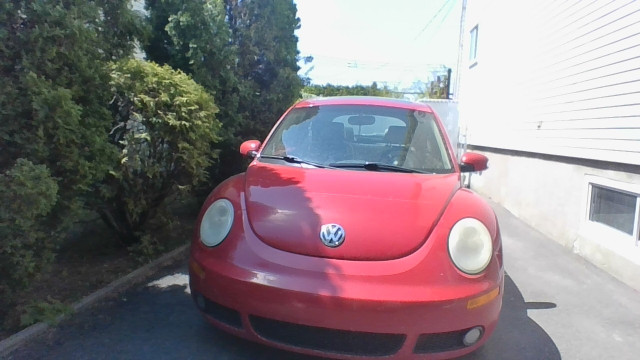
(384, 215)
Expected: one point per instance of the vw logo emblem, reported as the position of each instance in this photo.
(332, 235)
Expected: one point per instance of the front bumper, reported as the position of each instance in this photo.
(373, 330)
(400, 309)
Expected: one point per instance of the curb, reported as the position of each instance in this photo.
(14, 341)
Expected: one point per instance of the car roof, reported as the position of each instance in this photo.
(364, 100)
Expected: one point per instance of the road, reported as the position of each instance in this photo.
(556, 306)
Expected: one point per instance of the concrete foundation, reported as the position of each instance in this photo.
(552, 194)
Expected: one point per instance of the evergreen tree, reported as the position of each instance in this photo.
(54, 119)
(194, 37)
(165, 124)
(263, 32)
(263, 35)
(119, 28)
(343, 90)
(53, 104)
(243, 52)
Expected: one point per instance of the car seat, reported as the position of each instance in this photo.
(328, 142)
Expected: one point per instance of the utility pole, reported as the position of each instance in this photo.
(448, 84)
(462, 127)
(456, 92)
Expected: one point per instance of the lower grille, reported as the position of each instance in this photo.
(434, 343)
(220, 313)
(328, 340)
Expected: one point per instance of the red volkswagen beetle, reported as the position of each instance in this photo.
(350, 236)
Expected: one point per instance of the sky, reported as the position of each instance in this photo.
(393, 43)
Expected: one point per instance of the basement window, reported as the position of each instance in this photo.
(473, 46)
(615, 208)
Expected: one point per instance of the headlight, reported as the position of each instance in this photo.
(470, 246)
(216, 222)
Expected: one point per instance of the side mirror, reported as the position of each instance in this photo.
(470, 162)
(250, 148)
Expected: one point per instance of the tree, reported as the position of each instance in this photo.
(53, 103)
(243, 52)
(119, 28)
(194, 37)
(54, 116)
(27, 194)
(264, 35)
(343, 90)
(164, 126)
(440, 87)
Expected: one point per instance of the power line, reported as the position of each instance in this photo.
(442, 20)
(431, 20)
(372, 65)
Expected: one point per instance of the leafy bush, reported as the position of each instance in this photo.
(243, 52)
(342, 90)
(50, 311)
(54, 59)
(149, 247)
(195, 38)
(27, 195)
(164, 127)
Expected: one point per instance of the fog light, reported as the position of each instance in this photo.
(472, 336)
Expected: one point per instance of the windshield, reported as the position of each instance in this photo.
(335, 135)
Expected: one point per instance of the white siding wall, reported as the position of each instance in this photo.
(553, 198)
(554, 77)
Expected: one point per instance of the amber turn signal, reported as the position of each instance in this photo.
(481, 300)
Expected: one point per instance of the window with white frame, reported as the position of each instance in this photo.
(473, 46)
(616, 207)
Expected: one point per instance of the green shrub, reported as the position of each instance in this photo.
(54, 58)
(50, 311)
(164, 127)
(27, 195)
(147, 248)
(244, 52)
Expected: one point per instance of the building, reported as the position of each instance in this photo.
(447, 111)
(550, 92)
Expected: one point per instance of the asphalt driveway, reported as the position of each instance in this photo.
(556, 306)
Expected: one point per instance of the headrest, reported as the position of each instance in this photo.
(333, 131)
(395, 134)
(349, 134)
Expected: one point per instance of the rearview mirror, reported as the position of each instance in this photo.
(250, 148)
(360, 120)
(470, 162)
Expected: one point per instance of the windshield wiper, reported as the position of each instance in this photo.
(374, 166)
(295, 160)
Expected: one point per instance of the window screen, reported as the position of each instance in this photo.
(473, 44)
(614, 208)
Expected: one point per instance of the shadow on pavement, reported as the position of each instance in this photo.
(157, 321)
(195, 338)
(517, 335)
(161, 322)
